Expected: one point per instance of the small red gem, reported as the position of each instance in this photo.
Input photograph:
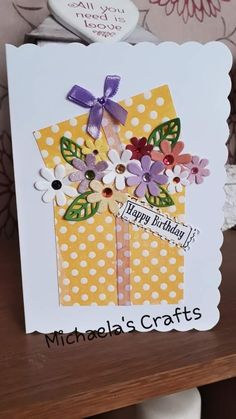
(176, 179)
(107, 192)
(194, 170)
(168, 159)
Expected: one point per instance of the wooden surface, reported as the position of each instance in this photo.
(80, 380)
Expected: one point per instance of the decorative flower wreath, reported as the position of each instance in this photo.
(153, 168)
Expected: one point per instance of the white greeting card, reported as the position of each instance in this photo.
(119, 156)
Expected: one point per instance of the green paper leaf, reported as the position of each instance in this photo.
(81, 209)
(70, 150)
(161, 201)
(169, 130)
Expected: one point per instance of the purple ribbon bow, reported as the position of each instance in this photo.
(84, 98)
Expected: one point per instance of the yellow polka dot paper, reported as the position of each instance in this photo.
(87, 250)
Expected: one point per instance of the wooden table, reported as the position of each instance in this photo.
(84, 379)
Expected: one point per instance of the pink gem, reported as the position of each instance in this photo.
(194, 170)
(168, 159)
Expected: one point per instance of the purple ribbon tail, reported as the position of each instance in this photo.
(95, 120)
(116, 110)
(81, 96)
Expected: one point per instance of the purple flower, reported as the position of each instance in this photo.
(146, 176)
(197, 169)
(87, 171)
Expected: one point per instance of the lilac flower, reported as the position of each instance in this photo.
(197, 169)
(146, 176)
(87, 171)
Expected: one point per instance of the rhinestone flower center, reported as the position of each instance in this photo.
(146, 177)
(56, 185)
(90, 175)
(194, 170)
(120, 169)
(176, 179)
(107, 192)
(168, 159)
(95, 152)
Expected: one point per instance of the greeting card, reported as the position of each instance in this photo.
(119, 163)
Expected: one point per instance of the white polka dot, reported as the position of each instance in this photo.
(73, 122)
(120, 296)
(67, 298)
(110, 271)
(147, 95)
(73, 238)
(171, 244)
(73, 255)
(163, 269)
(165, 119)
(55, 128)
(102, 297)
(82, 246)
(119, 245)
(63, 230)
(90, 220)
(101, 280)
(68, 134)
(181, 302)
(137, 278)
(81, 229)
(154, 261)
(181, 269)
(135, 228)
(93, 304)
(154, 278)
(145, 269)
(146, 287)
(84, 297)
(172, 278)
(141, 108)
(181, 199)
(57, 159)
(164, 302)
(147, 127)
(83, 263)
(128, 134)
(75, 290)
(92, 255)
(146, 302)
(119, 262)
(108, 220)
(136, 245)
(93, 288)
(129, 102)
(118, 228)
(163, 252)
(80, 141)
(92, 272)
(91, 238)
(181, 286)
(101, 263)
(37, 135)
(120, 279)
(137, 295)
(155, 295)
(109, 237)
(61, 211)
(84, 281)
(65, 264)
(181, 252)
(181, 218)
(66, 281)
(153, 115)
(128, 271)
(100, 246)
(127, 254)
(49, 141)
(172, 261)
(160, 101)
(145, 236)
(154, 244)
(172, 294)
(134, 122)
(44, 154)
(145, 253)
(111, 141)
(127, 236)
(110, 254)
(116, 128)
(74, 272)
(111, 288)
(172, 208)
(128, 287)
(84, 128)
(136, 262)
(163, 286)
(64, 247)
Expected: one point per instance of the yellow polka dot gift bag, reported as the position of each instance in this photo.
(103, 259)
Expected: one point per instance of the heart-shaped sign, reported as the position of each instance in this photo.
(96, 20)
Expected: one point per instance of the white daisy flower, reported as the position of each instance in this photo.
(117, 168)
(176, 179)
(55, 185)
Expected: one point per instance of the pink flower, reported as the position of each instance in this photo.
(191, 8)
(170, 156)
(197, 170)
